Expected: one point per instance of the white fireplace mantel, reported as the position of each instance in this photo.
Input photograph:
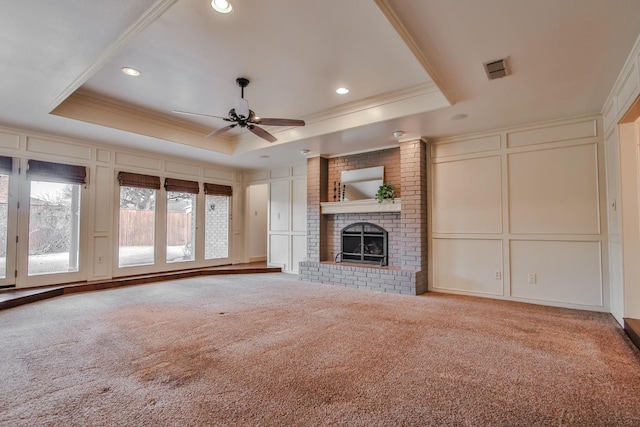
(359, 206)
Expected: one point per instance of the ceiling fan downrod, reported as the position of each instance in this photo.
(242, 82)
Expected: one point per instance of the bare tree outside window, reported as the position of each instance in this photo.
(181, 226)
(54, 228)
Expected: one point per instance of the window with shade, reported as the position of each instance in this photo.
(137, 222)
(54, 217)
(182, 197)
(216, 230)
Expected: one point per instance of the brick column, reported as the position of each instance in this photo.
(413, 216)
(317, 183)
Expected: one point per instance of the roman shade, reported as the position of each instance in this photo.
(6, 165)
(181, 185)
(128, 179)
(218, 190)
(56, 172)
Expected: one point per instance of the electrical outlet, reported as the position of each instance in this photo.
(532, 278)
(497, 275)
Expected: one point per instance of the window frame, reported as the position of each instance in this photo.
(22, 278)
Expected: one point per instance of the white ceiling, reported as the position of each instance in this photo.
(404, 61)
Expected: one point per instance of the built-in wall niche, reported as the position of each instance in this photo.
(359, 184)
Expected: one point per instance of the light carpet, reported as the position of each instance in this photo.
(269, 350)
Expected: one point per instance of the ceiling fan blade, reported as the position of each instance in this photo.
(198, 114)
(221, 130)
(262, 133)
(279, 122)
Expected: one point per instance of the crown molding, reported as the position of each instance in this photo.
(92, 108)
(409, 101)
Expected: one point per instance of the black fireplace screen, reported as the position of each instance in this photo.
(364, 242)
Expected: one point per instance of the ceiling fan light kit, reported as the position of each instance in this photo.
(244, 117)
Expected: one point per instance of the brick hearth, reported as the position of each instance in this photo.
(407, 269)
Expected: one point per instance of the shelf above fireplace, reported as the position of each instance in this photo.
(359, 206)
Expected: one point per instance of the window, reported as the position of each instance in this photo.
(137, 219)
(181, 219)
(216, 231)
(54, 217)
(6, 165)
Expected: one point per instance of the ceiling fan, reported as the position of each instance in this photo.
(243, 117)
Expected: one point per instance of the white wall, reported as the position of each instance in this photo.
(516, 214)
(623, 172)
(287, 214)
(630, 213)
(100, 220)
(258, 195)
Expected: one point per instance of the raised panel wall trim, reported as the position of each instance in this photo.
(183, 168)
(523, 220)
(136, 161)
(466, 146)
(552, 145)
(37, 145)
(567, 272)
(280, 173)
(103, 214)
(609, 116)
(469, 156)
(218, 174)
(555, 133)
(479, 236)
(299, 170)
(103, 156)
(9, 140)
(252, 176)
(468, 265)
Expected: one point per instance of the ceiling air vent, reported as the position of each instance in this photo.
(496, 69)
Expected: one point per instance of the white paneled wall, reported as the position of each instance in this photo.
(516, 214)
(470, 205)
(472, 265)
(554, 191)
(287, 222)
(257, 216)
(564, 271)
(623, 172)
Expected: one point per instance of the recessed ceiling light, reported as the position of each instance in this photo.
(305, 151)
(458, 117)
(131, 71)
(342, 91)
(397, 133)
(221, 6)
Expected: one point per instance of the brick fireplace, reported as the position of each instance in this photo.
(406, 224)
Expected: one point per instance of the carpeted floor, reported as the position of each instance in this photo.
(270, 350)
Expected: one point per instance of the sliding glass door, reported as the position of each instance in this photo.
(8, 220)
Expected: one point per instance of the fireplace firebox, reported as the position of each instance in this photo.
(365, 243)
